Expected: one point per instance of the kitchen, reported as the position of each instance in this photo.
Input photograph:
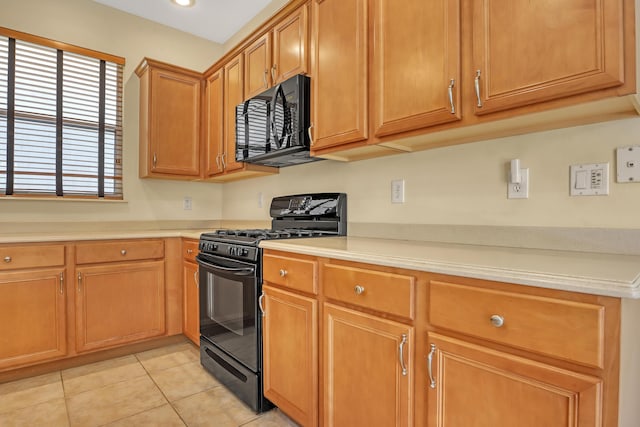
(456, 193)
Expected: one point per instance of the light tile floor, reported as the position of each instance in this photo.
(161, 387)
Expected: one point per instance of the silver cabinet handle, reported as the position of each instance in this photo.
(497, 320)
(61, 283)
(7, 259)
(273, 72)
(451, 84)
(155, 160)
(224, 164)
(477, 84)
(189, 251)
(432, 381)
(309, 132)
(260, 304)
(123, 252)
(401, 354)
(283, 272)
(359, 290)
(79, 282)
(264, 77)
(195, 278)
(218, 162)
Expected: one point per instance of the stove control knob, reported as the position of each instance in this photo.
(283, 272)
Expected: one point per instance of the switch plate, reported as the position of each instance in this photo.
(628, 164)
(590, 180)
(397, 191)
(186, 203)
(521, 189)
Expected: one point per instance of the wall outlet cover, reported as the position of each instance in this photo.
(628, 164)
(589, 180)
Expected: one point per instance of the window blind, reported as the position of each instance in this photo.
(60, 121)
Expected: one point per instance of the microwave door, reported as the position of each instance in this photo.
(280, 119)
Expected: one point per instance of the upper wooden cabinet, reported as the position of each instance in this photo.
(340, 71)
(527, 52)
(215, 123)
(415, 64)
(170, 111)
(278, 54)
(233, 95)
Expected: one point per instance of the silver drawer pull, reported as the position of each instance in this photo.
(123, 252)
(189, 251)
(497, 320)
(283, 272)
(7, 259)
(401, 354)
(432, 380)
(359, 290)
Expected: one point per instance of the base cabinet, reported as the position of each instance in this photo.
(191, 293)
(472, 385)
(119, 303)
(290, 337)
(32, 317)
(368, 369)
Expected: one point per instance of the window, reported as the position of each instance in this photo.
(60, 119)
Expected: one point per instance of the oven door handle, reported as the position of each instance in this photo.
(243, 271)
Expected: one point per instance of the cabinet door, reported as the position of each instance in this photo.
(32, 317)
(530, 51)
(119, 303)
(233, 90)
(290, 354)
(290, 45)
(477, 386)
(416, 65)
(174, 123)
(364, 380)
(257, 67)
(191, 298)
(340, 72)
(215, 123)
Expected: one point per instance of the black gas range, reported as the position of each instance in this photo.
(230, 275)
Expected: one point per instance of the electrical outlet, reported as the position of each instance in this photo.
(519, 190)
(397, 191)
(186, 203)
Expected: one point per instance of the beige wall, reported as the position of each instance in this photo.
(92, 25)
(467, 184)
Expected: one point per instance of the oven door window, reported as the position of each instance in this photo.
(228, 300)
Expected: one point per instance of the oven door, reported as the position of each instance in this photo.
(228, 307)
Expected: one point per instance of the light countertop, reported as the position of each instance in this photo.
(587, 272)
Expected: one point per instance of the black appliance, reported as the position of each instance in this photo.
(230, 273)
(272, 129)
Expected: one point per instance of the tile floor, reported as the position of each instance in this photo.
(161, 387)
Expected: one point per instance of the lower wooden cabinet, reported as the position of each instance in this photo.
(368, 369)
(472, 385)
(119, 303)
(191, 304)
(290, 348)
(32, 316)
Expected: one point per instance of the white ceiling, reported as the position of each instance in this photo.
(214, 20)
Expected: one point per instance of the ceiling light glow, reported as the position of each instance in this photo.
(185, 3)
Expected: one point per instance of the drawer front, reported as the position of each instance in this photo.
(568, 330)
(294, 273)
(123, 250)
(385, 292)
(31, 256)
(190, 250)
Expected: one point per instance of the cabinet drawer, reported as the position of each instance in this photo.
(294, 273)
(123, 250)
(31, 256)
(190, 250)
(385, 292)
(565, 329)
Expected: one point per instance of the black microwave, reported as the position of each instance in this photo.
(272, 129)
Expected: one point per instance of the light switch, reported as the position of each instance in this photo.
(582, 179)
(590, 180)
